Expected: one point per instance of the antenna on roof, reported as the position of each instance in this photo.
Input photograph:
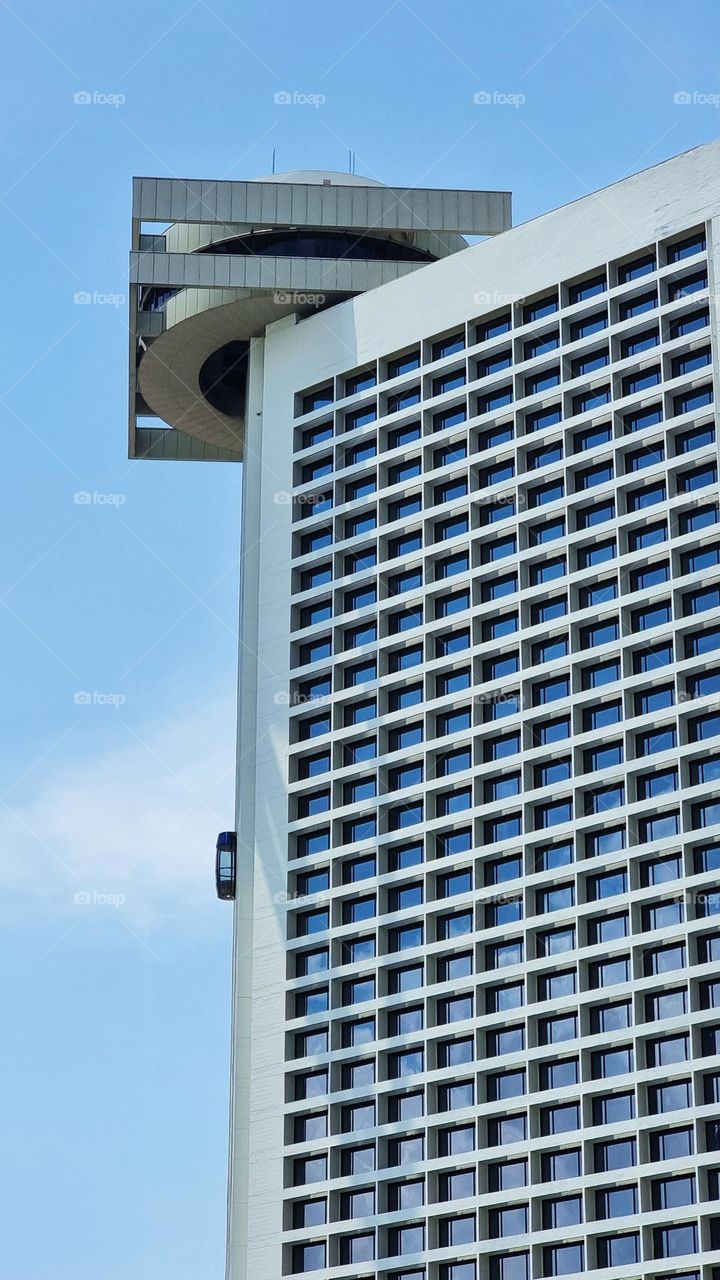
(273, 160)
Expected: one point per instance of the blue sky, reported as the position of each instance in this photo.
(119, 610)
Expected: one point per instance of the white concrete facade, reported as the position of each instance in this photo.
(520, 675)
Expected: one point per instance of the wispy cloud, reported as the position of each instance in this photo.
(127, 822)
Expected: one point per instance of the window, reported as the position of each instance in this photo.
(590, 399)
(620, 1250)
(608, 928)
(359, 990)
(504, 954)
(690, 323)
(557, 898)
(611, 1062)
(502, 999)
(560, 1119)
(557, 1030)
(654, 700)
(671, 1144)
(559, 1074)
(687, 248)
(550, 857)
(563, 1259)
(506, 1041)
(406, 937)
(612, 1108)
(666, 1004)
(542, 418)
(664, 959)
(357, 1033)
(548, 570)
(588, 325)
(602, 757)
(456, 1271)
(588, 517)
(592, 437)
(511, 1221)
(611, 1017)
(637, 268)
(494, 364)
(617, 1154)
(616, 1202)
(669, 1097)
(449, 418)
(563, 1212)
(607, 973)
(540, 308)
(557, 1166)
(408, 978)
(660, 870)
(448, 382)
(672, 1242)
(667, 824)
(647, 744)
(553, 942)
(454, 1097)
(687, 286)
(406, 1195)
(358, 1075)
(357, 1160)
(507, 1129)
(586, 289)
(553, 771)
(586, 364)
(636, 343)
(309, 1169)
(308, 1257)
(638, 305)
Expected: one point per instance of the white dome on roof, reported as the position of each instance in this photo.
(316, 177)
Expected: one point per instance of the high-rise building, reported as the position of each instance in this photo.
(476, 866)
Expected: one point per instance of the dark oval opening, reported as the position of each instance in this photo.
(223, 379)
(294, 243)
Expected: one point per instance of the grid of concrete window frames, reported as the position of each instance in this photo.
(504, 856)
